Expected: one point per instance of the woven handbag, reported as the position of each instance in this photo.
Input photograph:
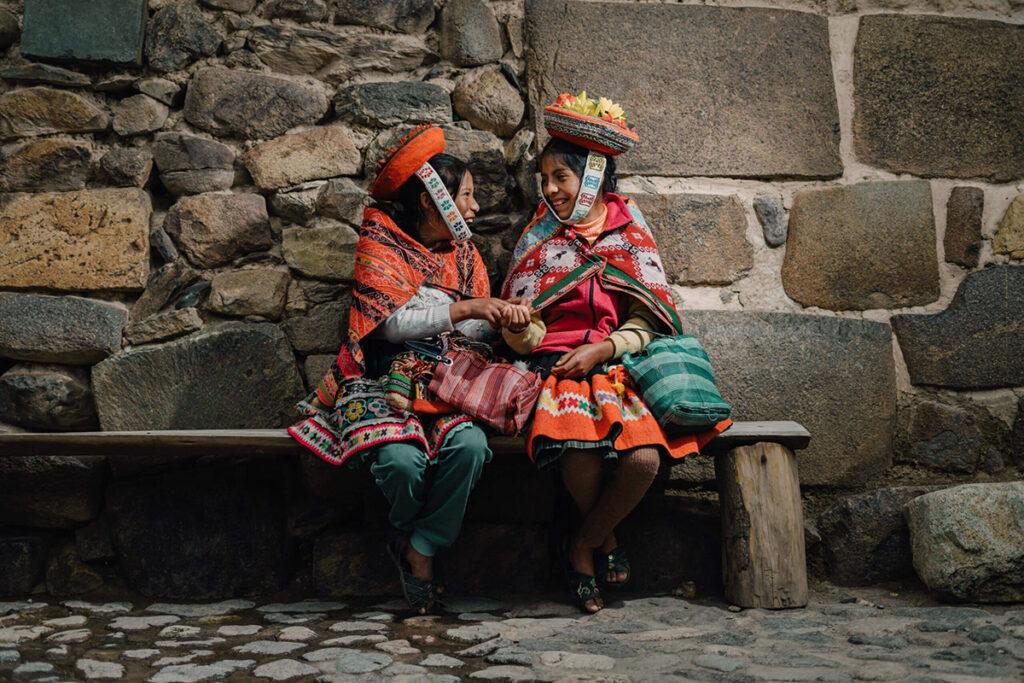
(676, 382)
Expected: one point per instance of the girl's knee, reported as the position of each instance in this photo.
(642, 462)
(468, 447)
(399, 462)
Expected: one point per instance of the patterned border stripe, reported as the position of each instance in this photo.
(588, 129)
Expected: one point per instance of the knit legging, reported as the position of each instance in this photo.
(603, 509)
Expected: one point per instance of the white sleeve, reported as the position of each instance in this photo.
(421, 317)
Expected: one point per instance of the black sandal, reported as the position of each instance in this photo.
(419, 593)
(617, 562)
(582, 586)
(584, 589)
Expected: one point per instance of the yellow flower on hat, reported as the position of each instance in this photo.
(602, 107)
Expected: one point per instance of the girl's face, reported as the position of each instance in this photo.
(559, 184)
(433, 228)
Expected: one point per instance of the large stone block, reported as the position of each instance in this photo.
(488, 101)
(234, 377)
(485, 154)
(388, 104)
(742, 92)
(325, 253)
(947, 436)
(260, 291)
(966, 541)
(59, 329)
(98, 30)
(409, 16)
(164, 326)
(862, 246)
(320, 330)
(340, 55)
(47, 397)
(865, 539)
(470, 34)
(249, 105)
(212, 229)
(75, 241)
(178, 35)
(975, 343)
(189, 164)
(139, 114)
(701, 238)
(202, 533)
(51, 492)
(42, 111)
(50, 164)
(932, 96)
(322, 152)
(833, 375)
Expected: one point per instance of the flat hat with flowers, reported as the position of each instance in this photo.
(409, 157)
(598, 125)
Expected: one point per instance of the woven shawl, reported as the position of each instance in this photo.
(390, 267)
(549, 261)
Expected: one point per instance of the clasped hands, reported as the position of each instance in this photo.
(514, 315)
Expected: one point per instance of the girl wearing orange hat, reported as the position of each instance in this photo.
(590, 267)
(417, 276)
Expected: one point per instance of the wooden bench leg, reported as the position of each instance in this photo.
(763, 559)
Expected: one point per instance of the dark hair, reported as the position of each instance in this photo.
(406, 209)
(575, 157)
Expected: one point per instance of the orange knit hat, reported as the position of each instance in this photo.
(402, 161)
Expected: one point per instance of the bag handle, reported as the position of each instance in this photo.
(434, 352)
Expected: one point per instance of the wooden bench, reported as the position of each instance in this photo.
(763, 559)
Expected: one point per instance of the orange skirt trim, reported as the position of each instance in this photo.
(591, 410)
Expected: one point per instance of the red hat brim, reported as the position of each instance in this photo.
(412, 151)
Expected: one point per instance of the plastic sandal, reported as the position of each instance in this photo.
(616, 561)
(584, 589)
(419, 593)
(582, 586)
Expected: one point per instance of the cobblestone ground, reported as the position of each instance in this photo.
(843, 635)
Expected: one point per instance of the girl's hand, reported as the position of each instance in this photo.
(516, 316)
(581, 360)
(489, 309)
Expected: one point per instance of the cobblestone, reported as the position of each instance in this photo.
(872, 638)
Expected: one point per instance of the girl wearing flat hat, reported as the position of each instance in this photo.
(417, 276)
(589, 265)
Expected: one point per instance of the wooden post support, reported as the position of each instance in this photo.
(763, 560)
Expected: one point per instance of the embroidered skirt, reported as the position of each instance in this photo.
(363, 418)
(604, 413)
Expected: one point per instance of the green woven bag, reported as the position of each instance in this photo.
(677, 384)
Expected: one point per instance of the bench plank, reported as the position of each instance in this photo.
(278, 442)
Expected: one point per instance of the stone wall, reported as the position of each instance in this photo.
(837, 187)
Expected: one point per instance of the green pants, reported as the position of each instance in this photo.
(428, 497)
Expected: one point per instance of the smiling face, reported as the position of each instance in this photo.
(432, 227)
(559, 184)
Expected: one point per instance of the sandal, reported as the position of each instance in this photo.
(617, 562)
(584, 589)
(419, 593)
(582, 586)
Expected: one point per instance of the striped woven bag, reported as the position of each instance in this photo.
(676, 382)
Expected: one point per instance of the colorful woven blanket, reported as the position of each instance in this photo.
(550, 261)
(390, 267)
